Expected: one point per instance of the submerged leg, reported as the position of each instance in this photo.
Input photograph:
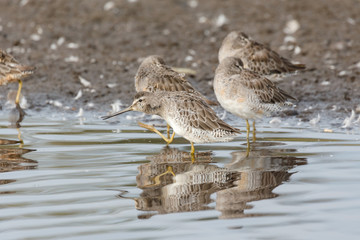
(247, 147)
(247, 129)
(254, 131)
(157, 178)
(168, 130)
(21, 115)
(17, 100)
(20, 139)
(247, 138)
(151, 128)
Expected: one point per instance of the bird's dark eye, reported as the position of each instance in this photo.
(140, 100)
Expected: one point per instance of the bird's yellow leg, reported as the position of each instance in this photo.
(17, 100)
(192, 152)
(168, 130)
(192, 148)
(254, 131)
(157, 178)
(151, 128)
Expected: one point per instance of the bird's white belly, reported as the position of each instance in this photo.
(193, 134)
(240, 107)
(178, 129)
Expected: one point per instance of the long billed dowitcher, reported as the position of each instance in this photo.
(154, 75)
(245, 93)
(256, 57)
(12, 71)
(189, 116)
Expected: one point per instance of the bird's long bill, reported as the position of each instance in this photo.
(117, 113)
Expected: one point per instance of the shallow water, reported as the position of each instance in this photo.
(74, 179)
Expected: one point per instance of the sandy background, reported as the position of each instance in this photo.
(105, 41)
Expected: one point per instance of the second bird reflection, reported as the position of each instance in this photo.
(261, 172)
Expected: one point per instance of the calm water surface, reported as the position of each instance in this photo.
(98, 180)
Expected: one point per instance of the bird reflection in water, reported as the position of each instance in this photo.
(189, 190)
(11, 159)
(244, 180)
(261, 172)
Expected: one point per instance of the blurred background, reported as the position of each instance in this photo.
(103, 43)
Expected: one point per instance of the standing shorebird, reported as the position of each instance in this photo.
(246, 93)
(256, 57)
(154, 75)
(189, 116)
(12, 71)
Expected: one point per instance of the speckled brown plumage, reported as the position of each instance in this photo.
(189, 115)
(11, 70)
(154, 75)
(255, 56)
(245, 93)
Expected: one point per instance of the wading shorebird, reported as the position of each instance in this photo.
(12, 71)
(189, 116)
(154, 75)
(256, 57)
(247, 94)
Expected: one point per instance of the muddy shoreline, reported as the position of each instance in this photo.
(104, 42)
